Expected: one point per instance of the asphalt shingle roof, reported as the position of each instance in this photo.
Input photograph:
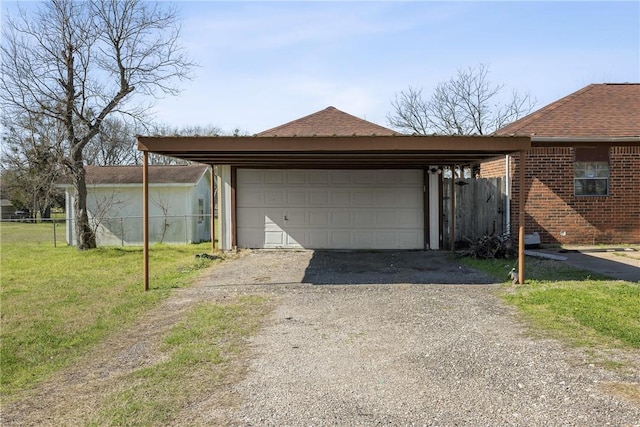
(598, 110)
(328, 122)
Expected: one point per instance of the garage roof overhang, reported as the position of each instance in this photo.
(334, 151)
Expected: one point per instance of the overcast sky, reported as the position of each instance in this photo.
(266, 63)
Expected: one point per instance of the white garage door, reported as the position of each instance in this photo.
(330, 209)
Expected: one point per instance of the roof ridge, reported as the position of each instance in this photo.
(338, 117)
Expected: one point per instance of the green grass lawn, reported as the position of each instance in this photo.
(57, 302)
(577, 306)
(201, 350)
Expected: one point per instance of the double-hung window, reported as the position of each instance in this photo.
(591, 171)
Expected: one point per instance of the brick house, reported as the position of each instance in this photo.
(581, 177)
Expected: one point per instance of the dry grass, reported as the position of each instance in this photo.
(629, 391)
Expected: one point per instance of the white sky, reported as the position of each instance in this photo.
(266, 63)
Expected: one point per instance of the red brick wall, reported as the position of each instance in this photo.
(557, 215)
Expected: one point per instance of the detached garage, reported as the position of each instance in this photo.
(332, 181)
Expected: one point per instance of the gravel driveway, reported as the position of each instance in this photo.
(374, 339)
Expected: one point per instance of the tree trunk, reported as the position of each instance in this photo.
(85, 238)
(45, 213)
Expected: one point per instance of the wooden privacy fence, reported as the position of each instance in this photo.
(480, 207)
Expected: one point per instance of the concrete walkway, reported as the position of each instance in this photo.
(616, 263)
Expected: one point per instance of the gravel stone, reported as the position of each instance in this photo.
(375, 338)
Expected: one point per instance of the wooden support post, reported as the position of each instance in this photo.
(234, 223)
(212, 208)
(521, 216)
(145, 219)
(452, 222)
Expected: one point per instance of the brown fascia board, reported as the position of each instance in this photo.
(454, 144)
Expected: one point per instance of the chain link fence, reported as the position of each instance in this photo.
(112, 231)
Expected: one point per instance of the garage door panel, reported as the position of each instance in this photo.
(319, 198)
(364, 218)
(273, 198)
(251, 237)
(250, 176)
(296, 217)
(340, 177)
(365, 177)
(387, 197)
(274, 238)
(274, 177)
(364, 198)
(272, 216)
(386, 177)
(410, 198)
(386, 218)
(296, 198)
(364, 239)
(411, 177)
(296, 177)
(318, 177)
(408, 218)
(340, 198)
(340, 218)
(251, 218)
(250, 198)
(319, 218)
(294, 240)
(319, 239)
(339, 209)
(341, 239)
(408, 239)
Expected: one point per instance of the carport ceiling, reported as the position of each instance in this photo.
(334, 151)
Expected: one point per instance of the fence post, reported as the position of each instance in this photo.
(55, 238)
(122, 231)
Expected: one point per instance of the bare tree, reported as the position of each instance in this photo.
(115, 144)
(467, 104)
(30, 164)
(77, 63)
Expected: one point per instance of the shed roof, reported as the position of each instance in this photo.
(598, 111)
(158, 174)
(328, 122)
